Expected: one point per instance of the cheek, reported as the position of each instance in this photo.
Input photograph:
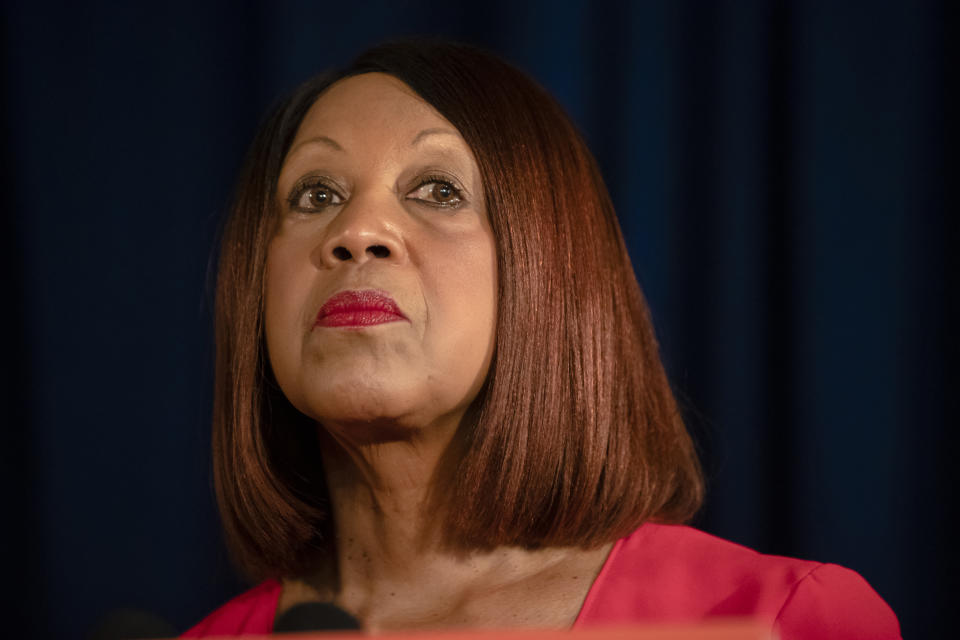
(464, 312)
(283, 313)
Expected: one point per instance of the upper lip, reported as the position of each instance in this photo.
(359, 300)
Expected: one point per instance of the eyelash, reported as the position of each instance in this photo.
(441, 180)
(307, 184)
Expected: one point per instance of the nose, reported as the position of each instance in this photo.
(364, 229)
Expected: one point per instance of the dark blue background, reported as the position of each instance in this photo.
(779, 169)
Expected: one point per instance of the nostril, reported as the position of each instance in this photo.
(341, 253)
(379, 251)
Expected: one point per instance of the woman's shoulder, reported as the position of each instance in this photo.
(250, 612)
(663, 573)
(670, 572)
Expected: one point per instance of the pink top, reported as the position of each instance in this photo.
(665, 573)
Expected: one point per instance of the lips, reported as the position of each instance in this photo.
(358, 309)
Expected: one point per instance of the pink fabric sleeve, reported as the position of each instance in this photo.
(834, 602)
(249, 613)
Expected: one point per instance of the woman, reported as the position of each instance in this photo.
(439, 401)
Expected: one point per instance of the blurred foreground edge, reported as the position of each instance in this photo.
(721, 630)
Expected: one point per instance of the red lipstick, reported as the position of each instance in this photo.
(358, 309)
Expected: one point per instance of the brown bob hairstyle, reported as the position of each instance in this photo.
(575, 438)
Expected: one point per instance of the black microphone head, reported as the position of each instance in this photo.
(315, 616)
(131, 624)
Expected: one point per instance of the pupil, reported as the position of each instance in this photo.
(444, 191)
(320, 197)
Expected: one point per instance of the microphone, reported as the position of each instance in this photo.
(131, 624)
(315, 616)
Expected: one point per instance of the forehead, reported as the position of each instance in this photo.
(354, 105)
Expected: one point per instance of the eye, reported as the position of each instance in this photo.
(437, 191)
(313, 195)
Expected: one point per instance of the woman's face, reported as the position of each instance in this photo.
(381, 276)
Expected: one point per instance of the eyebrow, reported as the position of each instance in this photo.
(333, 144)
(429, 132)
(324, 140)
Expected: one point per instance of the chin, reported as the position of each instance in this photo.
(364, 412)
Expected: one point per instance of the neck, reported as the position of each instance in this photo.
(380, 497)
(393, 566)
(388, 531)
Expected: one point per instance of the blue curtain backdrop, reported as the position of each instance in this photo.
(779, 169)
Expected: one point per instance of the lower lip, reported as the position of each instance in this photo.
(363, 318)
